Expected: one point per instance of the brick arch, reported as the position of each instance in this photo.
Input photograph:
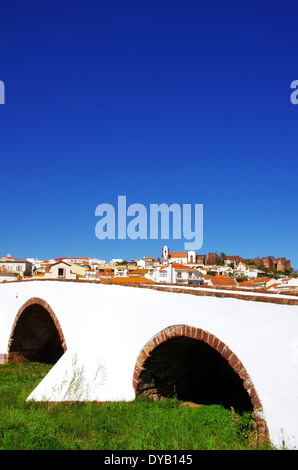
(46, 306)
(221, 348)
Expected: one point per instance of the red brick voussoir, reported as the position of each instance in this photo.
(222, 349)
(46, 306)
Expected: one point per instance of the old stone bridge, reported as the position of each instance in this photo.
(113, 342)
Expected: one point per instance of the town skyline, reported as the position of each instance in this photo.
(208, 258)
(161, 102)
(175, 268)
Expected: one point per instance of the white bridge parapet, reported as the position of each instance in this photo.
(107, 328)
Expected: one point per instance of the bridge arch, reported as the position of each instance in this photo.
(192, 348)
(36, 334)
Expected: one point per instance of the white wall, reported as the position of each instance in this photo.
(108, 325)
(8, 277)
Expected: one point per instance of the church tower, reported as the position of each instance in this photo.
(165, 255)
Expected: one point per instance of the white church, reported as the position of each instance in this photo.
(187, 257)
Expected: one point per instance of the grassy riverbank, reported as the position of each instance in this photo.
(139, 425)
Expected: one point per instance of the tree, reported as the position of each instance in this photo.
(242, 279)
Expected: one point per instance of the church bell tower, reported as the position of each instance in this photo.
(165, 255)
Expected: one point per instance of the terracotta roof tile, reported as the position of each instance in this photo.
(178, 255)
(220, 280)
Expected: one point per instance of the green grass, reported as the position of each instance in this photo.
(140, 425)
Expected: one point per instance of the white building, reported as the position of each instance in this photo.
(186, 257)
(92, 262)
(176, 273)
(7, 276)
(91, 275)
(37, 264)
(60, 270)
(145, 262)
(225, 270)
(121, 271)
(288, 283)
(16, 265)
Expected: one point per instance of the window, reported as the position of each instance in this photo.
(60, 272)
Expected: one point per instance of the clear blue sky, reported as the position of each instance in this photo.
(161, 101)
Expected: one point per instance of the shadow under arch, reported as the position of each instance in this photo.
(36, 334)
(181, 358)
